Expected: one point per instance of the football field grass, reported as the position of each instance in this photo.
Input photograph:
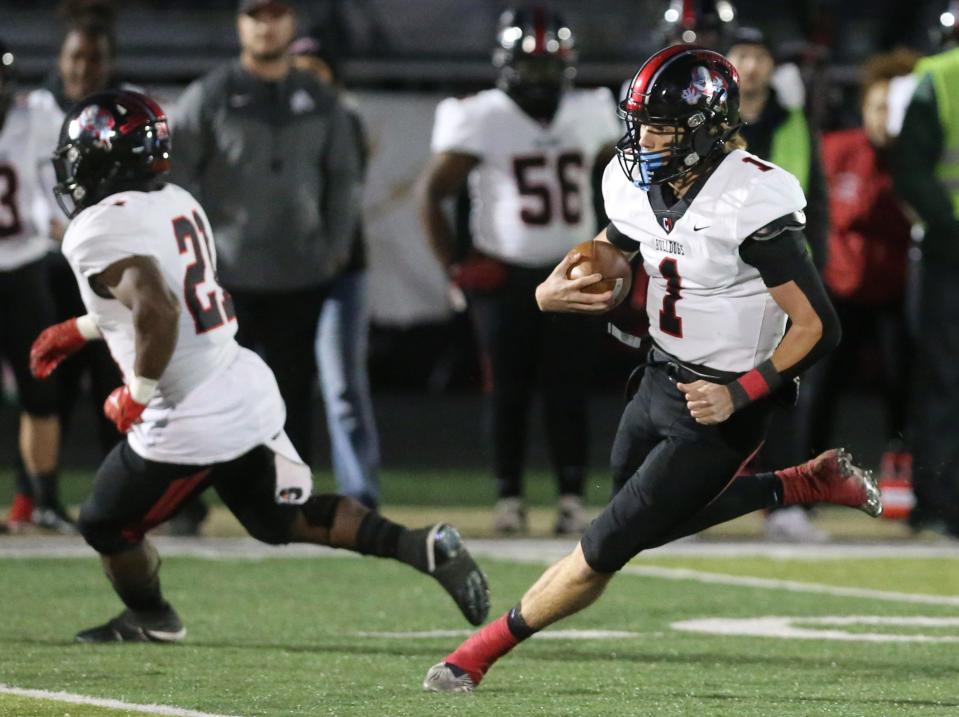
(316, 635)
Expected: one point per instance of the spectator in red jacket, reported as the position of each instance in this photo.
(866, 270)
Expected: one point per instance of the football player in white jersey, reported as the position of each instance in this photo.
(26, 303)
(720, 235)
(198, 410)
(526, 149)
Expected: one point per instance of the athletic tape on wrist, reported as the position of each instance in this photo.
(753, 385)
(88, 328)
(142, 389)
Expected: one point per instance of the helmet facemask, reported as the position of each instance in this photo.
(694, 141)
(536, 83)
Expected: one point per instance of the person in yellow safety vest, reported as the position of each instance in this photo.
(926, 174)
(776, 129)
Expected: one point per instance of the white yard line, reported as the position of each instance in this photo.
(523, 550)
(795, 586)
(541, 552)
(127, 707)
(805, 628)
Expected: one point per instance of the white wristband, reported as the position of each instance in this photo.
(142, 389)
(88, 328)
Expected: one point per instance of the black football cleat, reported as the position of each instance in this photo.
(128, 626)
(448, 560)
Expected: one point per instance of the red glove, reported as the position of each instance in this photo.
(123, 409)
(478, 272)
(57, 342)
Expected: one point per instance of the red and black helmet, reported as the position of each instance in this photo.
(693, 91)
(109, 141)
(536, 56)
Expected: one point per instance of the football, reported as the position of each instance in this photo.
(600, 257)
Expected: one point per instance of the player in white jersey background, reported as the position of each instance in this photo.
(198, 409)
(720, 235)
(26, 303)
(526, 149)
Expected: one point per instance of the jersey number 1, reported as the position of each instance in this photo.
(218, 308)
(669, 322)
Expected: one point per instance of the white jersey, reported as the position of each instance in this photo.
(705, 305)
(215, 401)
(531, 194)
(26, 145)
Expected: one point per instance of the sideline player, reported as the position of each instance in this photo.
(198, 409)
(720, 235)
(527, 149)
(26, 303)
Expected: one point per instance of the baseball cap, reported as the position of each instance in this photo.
(246, 7)
(749, 36)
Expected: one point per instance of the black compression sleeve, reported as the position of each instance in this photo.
(620, 240)
(778, 259)
(783, 259)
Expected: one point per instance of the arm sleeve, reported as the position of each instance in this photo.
(915, 155)
(456, 129)
(817, 206)
(781, 258)
(620, 240)
(342, 182)
(190, 129)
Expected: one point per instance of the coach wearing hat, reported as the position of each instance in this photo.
(269, 151)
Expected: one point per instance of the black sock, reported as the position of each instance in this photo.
(571, 480)
(517, 624)
(24, 486)
(379, 536)
(46, 489)
(139, 591)
(774, 485)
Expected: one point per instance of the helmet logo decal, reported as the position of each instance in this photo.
(96, 123)
(704, 83)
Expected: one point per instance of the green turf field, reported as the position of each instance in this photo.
(277, 637)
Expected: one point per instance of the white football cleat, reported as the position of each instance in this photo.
(443, 677)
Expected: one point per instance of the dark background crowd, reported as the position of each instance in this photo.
(820, 77)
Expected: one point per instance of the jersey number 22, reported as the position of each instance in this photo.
(216, 307)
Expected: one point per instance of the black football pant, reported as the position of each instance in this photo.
(673, 476)
(935, 404)
(131, 495)
(521, 348)
(281, 327)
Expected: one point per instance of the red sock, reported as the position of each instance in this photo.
(483, 648)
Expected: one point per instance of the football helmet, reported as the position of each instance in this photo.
(535, 55)
(109, 141)
(690, 90)
(706, 23)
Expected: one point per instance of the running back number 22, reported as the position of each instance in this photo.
(212, 308)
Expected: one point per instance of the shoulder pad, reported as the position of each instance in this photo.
(794, 221)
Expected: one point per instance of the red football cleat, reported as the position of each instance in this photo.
(21, 513)
(831, 477)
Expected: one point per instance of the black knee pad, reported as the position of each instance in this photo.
(320, 510)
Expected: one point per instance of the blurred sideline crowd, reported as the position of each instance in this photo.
(882, 225)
